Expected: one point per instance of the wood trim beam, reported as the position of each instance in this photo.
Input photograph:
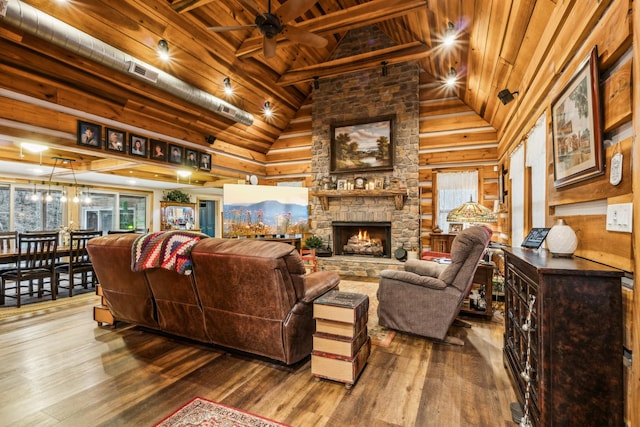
(182, 6)
(341, 21)
(391, 55)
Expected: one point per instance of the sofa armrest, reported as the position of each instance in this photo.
(424, 268)
(413, 279)
(318, 283)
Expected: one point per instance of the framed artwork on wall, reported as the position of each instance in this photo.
(175, 154)
(116, 140)
(89, 134)
(576, 117)
(205, 161)
(191, 158)
(138, 145)
(362, 145)
(158, 150)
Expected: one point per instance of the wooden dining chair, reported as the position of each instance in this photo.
(8, 240)
(35, 263)
(308, 256)
(78, 263)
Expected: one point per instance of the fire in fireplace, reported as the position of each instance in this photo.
(372, 239)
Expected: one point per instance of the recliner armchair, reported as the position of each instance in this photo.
(426, 297)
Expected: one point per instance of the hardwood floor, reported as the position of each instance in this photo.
(60, 369)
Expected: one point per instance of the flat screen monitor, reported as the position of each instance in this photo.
(535, 238)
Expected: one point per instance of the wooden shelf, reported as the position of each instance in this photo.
(399, 196)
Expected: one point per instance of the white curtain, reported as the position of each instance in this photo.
(454, 189)
(516, 174)
(537, 160)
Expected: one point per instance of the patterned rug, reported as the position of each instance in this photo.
(380, 335)
(203, 412)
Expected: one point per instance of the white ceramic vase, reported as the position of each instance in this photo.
(562, 240)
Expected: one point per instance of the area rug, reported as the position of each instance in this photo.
(202, 412)
(380, 335)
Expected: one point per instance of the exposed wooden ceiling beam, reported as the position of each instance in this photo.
(391, 55)
(182, 6)
(341, 21)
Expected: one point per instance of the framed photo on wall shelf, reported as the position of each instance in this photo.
(89, 134)
(116, 140)
(576, 117)
(158, 150)
(138, 145)
(362, 145)
(205, 161)
(175, 154)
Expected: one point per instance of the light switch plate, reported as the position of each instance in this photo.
(620, 217)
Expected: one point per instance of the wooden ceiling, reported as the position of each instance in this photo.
(495, 42)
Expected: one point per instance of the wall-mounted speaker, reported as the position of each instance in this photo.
(210, 139)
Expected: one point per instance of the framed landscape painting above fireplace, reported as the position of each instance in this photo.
(362, 145)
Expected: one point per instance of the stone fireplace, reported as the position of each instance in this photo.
(368, 239)
(361, 95)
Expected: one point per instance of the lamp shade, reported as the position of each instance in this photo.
(471, 212)
(562, 240)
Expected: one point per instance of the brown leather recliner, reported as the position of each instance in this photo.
(426, 298)
(248, 295)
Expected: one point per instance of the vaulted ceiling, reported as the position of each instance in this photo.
(495, 44)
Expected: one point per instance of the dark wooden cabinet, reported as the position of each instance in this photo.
(441, 242)
(575, 350)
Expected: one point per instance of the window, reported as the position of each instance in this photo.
(33, 212)
(24, 207)
(454, 189)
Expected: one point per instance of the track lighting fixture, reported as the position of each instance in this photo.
(452, 77)
(163, 49)
(385, 71)
(267, 109)
(449, 35)
(227, 86)
(506, 96)
(316, 82)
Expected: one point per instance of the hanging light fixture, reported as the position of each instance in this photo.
(34, 196)
(472, 212)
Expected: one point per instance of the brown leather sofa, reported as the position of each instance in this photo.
(249, 295)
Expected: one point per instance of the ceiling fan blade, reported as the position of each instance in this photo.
(268, 47)
(304, 37)
(231, 28)
(292, 9)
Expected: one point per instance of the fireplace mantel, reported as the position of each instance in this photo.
(399, 196)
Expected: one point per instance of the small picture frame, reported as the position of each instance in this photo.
(89, 134)
(191, 158)
(175, 154)
(342, 184)
(455, 227)
(158, 150)
(205, 161)
(379, 183)
(115, 140)
(137, 145)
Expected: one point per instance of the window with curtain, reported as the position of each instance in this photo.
(516, 174)
(536, 159)
(454, 189)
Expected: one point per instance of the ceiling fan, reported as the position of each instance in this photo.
(271, 24)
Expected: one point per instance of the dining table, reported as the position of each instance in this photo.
(11, 256)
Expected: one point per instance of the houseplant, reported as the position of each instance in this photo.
(177, 196)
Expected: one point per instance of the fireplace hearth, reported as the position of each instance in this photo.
(366, 239)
